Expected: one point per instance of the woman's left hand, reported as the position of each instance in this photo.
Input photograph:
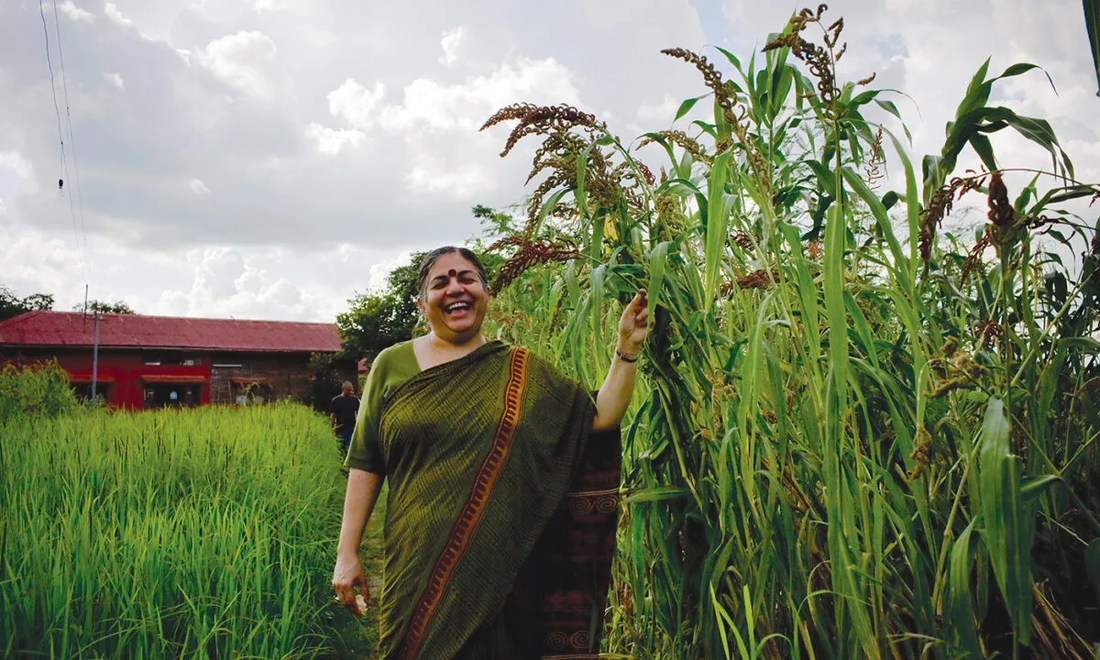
(634, 324)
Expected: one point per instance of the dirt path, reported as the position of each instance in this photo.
(357, 639)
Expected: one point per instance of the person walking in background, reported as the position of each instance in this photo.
(342, 412)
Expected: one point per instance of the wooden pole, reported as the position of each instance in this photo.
(95, 354)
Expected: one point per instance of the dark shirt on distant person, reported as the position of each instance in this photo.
(345, 408)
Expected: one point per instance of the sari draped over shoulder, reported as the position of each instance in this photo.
(501, 512)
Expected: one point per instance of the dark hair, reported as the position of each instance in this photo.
(430, 258)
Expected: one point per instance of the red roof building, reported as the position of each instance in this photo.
(148, 361)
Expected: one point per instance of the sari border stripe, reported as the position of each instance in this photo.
(471, 512)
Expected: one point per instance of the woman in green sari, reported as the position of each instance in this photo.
(503, 478)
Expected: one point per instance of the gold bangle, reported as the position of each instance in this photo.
(624, 357)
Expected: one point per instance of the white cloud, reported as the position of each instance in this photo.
(112, 12)
(427, 104)
(660, 114)
(16, 162)
(37, 264)
(198, 187)
(227, 282)
(380, 272)
(429, 107)
(430, 173)
(354, 103)
(332, 140)
(74, 13)
(240, 60)
(260, 6)
(251, 281)
(432, 105)
(115, 80)
(451, 42)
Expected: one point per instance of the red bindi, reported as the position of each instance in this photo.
(452, 273)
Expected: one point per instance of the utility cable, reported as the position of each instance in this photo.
(72, 144)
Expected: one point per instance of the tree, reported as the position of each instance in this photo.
(380, 319)
(103, 307)
(327, 374)
(494, 223)
(11, 305)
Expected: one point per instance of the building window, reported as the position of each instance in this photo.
(171, 395)
(83, 391)
(153, 360)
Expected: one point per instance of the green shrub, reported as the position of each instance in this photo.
(39, 390)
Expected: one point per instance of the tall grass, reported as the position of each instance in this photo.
(177, 533)
(854, 437)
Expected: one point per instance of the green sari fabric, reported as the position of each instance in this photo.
(479, 453)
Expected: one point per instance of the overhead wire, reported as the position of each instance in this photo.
(72, 146)
(79, 233)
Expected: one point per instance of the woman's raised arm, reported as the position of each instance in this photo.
(614, 397)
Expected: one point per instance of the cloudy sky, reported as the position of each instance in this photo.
(269, 158)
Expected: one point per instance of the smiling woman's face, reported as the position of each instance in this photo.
(454, 300)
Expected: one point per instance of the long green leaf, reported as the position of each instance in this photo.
(658, 260)
(1008, 529)
(1092, 24)
(717, 222)
(960, 596)
(686, 107)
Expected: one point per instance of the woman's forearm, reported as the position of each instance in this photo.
(614, 396)
(362, 494)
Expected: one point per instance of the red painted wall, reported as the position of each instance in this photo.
(121, 372)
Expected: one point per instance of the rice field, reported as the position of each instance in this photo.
(171, 534)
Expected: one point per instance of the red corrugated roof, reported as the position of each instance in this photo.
(134, 331)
